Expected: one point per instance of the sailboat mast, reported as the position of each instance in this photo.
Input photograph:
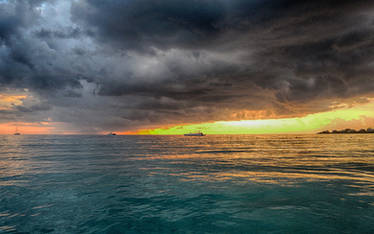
(17, 133)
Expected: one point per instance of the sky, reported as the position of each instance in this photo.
(172, 66)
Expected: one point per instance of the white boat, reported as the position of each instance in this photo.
(195, 134)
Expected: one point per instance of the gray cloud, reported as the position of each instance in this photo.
(107, 65)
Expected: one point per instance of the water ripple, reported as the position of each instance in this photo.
(176, 184)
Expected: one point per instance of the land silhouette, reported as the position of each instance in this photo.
(348, 131)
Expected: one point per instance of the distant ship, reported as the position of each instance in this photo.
(195, 134)
(17, 133)
(112, 134)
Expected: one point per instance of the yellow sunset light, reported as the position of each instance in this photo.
(356, 117)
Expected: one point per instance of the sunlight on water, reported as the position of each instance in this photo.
(168, 184)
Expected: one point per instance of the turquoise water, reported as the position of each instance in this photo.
(176, 184)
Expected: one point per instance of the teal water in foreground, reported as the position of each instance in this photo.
(176, 184)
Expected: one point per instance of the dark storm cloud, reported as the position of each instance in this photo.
(67, 33)
(141, 24)
(142, 62)
(21, 63)
(39, 107)
(319, 43)
(15, 15)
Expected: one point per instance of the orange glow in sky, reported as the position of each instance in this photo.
(345, 116)
(26, 128)
(7, 102)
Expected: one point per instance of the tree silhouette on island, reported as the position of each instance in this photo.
(348, 131)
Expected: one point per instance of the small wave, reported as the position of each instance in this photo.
(7, 228)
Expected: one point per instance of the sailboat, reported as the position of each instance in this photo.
(17, 133)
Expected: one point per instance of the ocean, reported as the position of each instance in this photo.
(176, 184)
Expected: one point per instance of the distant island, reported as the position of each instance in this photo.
(348, 131)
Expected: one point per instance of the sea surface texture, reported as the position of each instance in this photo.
(176, 184)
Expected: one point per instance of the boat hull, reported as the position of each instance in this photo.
(194, 134)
